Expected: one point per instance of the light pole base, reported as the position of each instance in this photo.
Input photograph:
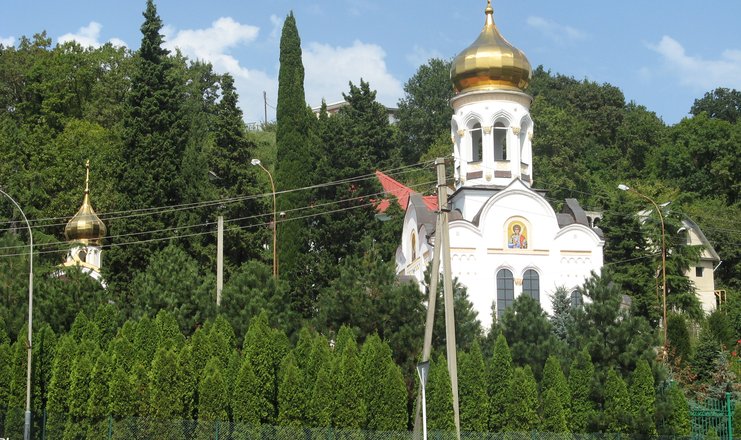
(27, 427)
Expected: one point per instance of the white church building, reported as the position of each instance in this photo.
(506, 240)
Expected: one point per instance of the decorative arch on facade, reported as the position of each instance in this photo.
(413, 244)
(472, 145)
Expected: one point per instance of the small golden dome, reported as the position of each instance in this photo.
(490, 62)
(85, 226)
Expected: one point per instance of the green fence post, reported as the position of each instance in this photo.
(729, 414)
(216, 430)
(110, 426)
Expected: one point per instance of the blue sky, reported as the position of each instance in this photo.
(663, 54)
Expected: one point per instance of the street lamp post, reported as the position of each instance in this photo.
(256, 162)
(423, 368)
(27, 425)
(663, 259)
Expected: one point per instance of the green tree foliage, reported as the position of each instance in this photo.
(467, 326)
(322, 401)
(674, 413)
(719, 326)
(553, 378)
(527, 326)
(721, 103)
(679, 338)
(500, 379)
(121, 394)
(472, 387)
(522, 403)
(172, 281)
(383, 387)
(643, 399)
(293, 166)
(439, 396)
(350, 407)
(552, 412)
(98, 403)
(248, 405)
(57, 403)
(618, 408)
(80, 381)
(291, 394)
(562, 320)
(212, 393)
(165, 399)
(707, 351)
(581, 377)
(367, 297)
(424, 111)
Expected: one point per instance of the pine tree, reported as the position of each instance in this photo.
(553, 378)
(554, 417)
(294, 162)
(581, 374)
(291, 395)
(439, 396)
(500, 379)
(643, 399)
(472, 384)
(617, 405)
(522, 404)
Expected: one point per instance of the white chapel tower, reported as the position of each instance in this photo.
(506, 240)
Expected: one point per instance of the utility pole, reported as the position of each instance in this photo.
(219, 258)
(442, 252)
(265, 105)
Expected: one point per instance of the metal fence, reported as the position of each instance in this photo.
(49, 427)
(713, 414)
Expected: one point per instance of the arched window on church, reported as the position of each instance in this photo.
(414, 246)
(500, 141)
(531, 284)
(505, 291)
(576, 299)
(477, 144)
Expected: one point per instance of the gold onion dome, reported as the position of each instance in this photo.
(85, 226)
(491, 62)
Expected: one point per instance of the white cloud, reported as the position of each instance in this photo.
(697, 72)
(554, 31)
(7, 41)
(330, 69)
(87, 36)
(420, 56)
(277, 26)
(213, 45)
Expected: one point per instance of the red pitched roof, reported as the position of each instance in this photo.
(401, 192)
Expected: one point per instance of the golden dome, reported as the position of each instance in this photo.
(85, 226)
(490, 62)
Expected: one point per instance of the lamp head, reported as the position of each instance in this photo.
(623, 187)
(255, 162)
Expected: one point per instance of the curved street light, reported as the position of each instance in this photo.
(663, 258)
(27, 425)
(256, 162)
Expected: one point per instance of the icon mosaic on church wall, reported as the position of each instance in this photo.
(517, 233)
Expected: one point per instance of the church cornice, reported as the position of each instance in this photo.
(475, 96)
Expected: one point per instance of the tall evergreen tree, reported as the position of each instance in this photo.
(500, 379)
(291, 395)
(472, 386)
(581, 375)
(213, 404)
(522, 404)
(643, 400)
(294, 162)
(553, 378)
(350, 408)
(384, 391)
(98, 404)
(165, 400)
(552, 413)
(322, 402)
(618, 411)
(57, 404)
(248, 405)
(439, 397)
(674, 413)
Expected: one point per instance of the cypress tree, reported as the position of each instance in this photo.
(643, 399)
(5, 369)
(554, 417)
(500, 378)
(98, 404)
(168, 330)
(385, 400)
(248, 405)
(294, 161)
(679, 339)
(187, 370)
(350, 408)
(474, 401)
(146, 339)
(44, 350)
(265, 349)
(57, 404)
(617, 405)
(17, 400)
(522, 405)
(77, 423)
(121, 394)
(319, 356)
(165, 400)
(322, 402)
(439, 397)
(291, 395)
(677, 422)
(581, 374)
(553, 378)
(213, 404)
